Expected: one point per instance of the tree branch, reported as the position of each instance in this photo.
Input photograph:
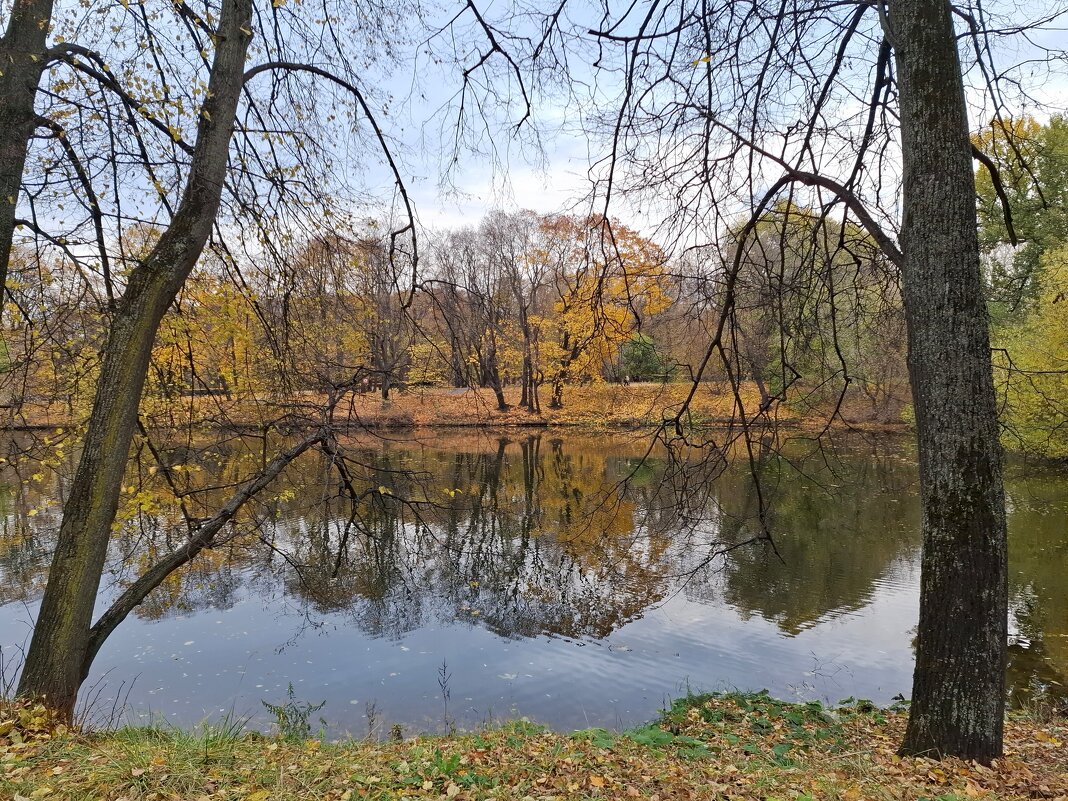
(852, 202)
(292, 66)
(995, 178)
(203, 537)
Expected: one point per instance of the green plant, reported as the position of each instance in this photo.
(651, 736)
(291, 716)
(443, 682)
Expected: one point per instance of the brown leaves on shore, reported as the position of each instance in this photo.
(722, 746)
(590, 406)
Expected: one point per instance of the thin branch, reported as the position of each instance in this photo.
(410, 228)
(995, 178)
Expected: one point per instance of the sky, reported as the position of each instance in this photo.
(546, 167)
(558, 178)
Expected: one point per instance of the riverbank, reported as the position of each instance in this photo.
(598, 405)
(731, 746)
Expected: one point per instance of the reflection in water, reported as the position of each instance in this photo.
(839, 539)
(1038, 591)
(527, 537)
(559, 576)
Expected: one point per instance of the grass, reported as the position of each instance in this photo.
(724, 746)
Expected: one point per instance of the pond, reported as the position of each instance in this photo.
(562, 577)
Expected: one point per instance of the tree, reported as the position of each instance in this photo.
(1023, 206)
(22, 50)
(1023, 216)
(474, 300)
(260, 158)
(1032, 360)
(816, 312)
(543, 299)
(717, 115)
(345, 309)
(380, 313)
(64, 641)
(641, 360)
(605, 279)
(958, 697)
(515, 242)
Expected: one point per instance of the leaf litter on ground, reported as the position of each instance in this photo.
(719, 746)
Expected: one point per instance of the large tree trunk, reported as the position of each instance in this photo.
(959, 684)
(57, 658)
(22, 61)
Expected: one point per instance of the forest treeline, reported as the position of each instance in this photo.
(526, 304)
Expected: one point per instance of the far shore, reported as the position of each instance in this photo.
(595, 406)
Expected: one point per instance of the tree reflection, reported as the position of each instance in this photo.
(841, 528)
(1038, 597)
(542, 534)
(526, 537)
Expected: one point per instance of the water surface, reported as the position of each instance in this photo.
(546, 575)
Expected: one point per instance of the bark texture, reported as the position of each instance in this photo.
(959, 683)
(22, 61)
(57, 658)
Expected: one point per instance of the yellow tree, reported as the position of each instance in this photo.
(1033, 362)
(1022, 184)
(606, 280)
(210, 342)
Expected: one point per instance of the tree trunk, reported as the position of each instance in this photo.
(756, 370)
(524, 396)
(556, 399)
(491, 376)
(502, 403)
(959, 684)
(22, 61)
(527, 399)
(498, 389)
(385, 385)
(56, 661)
